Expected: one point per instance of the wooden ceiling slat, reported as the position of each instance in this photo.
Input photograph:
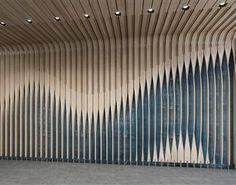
(204, 19)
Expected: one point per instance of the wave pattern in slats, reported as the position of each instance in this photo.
(132, 89)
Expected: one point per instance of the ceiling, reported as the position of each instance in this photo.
(203, 19)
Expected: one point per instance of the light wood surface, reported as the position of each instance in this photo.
(90, 65)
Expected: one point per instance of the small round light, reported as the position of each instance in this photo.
(57, 18)
(118, 13)
(86, 16)
(222, 4)
(185, 7)
(150, 10)
(3, 23)
(29, 21)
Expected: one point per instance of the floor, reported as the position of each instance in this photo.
(54, 173)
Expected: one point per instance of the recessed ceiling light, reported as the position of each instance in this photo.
(86, 16)
(150, 10)
(222, 4)
(185, 7)
(57, 18)
(29, 21)
(3, 23)
(118, 13)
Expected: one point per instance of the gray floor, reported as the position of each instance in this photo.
(34, 173)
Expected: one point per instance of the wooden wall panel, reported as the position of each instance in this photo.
(38, 74)
(56, 73)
